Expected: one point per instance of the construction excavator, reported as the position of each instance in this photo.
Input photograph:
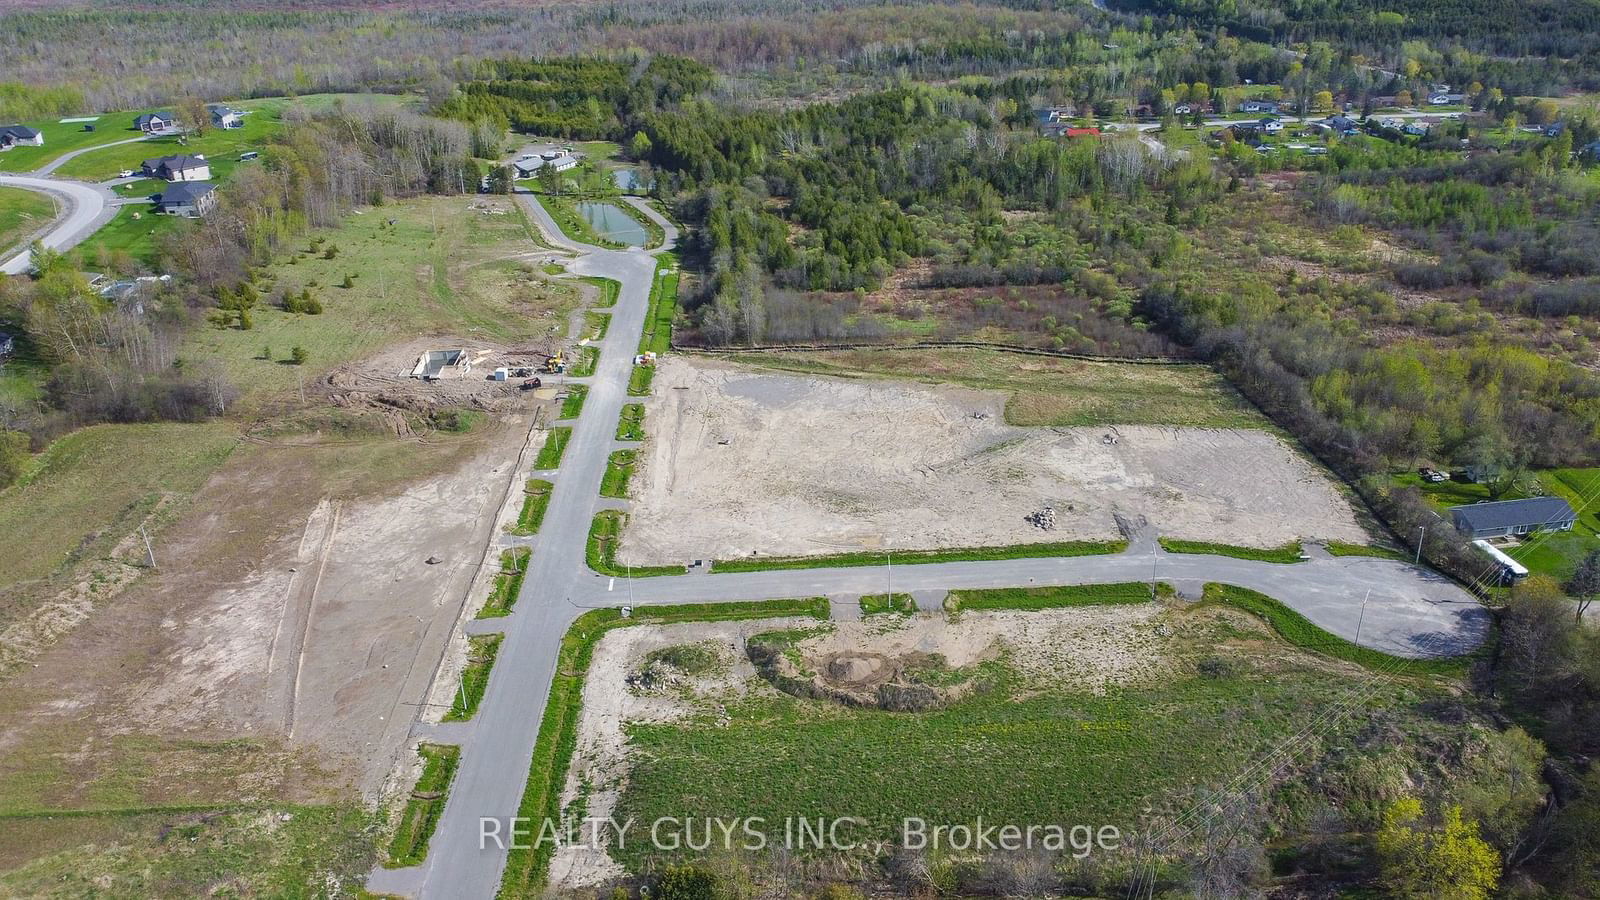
(555, 363)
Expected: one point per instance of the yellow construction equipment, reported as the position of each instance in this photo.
(554, 363)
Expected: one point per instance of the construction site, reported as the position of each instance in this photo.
(741, 462)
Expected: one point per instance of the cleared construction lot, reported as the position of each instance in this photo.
(741, 461)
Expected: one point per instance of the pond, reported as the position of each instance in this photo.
(611, 223)
(629, 180)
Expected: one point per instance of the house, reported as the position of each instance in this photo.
(529, 167)
(1342, 124)
(189, 198)
(435, 364)
(1052, 120)
(156, 121)
(1383, 101)
(1269, 125)
(1447, 99)
(1081, 132)
(177, 168)
(1259, 106)
(224, 117)
(20, 136)
(1507, 518)
(1554, 129)
(8, 345)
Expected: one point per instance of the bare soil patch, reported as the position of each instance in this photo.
(739, 462)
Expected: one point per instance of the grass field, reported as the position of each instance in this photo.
(619, 471)
(585, 362)
(423, 808)
(1049, 597)
(481, 651)
(527, 866)
(100, 482)
(1047, 391)
(639, 381)
(535, 500)
(507, 583)
(907, 557)
(657, 334)
(1288, 553)
(630, 426)
(257, 851)
(66, 137)
(1043, 755)
(555, 446)
(1554, 553)
(134, 230)
(610, 288)
(595, 325)
(21, 214)
(441, 269)
(1341, 548)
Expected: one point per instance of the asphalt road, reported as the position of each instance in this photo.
(87, 207)
(1388, 604)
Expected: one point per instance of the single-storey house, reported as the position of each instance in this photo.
(189, 198)
(225, 117)
(1259, 106)
(177, 168)
(20, 135)
(1510, 518)
(1342, 124)
(1269, 125)
(155, 121)
(561, 162)
(1447, 99)
(1081, 132)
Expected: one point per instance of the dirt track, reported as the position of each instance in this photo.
(741, 461)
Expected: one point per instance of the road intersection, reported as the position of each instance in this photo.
(1390, 604)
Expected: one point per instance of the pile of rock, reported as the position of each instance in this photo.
(1044, 519)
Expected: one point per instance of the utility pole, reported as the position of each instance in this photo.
(1362, 617)
(149, 553)
(889, 598)
(630, 585)
(1422, 532)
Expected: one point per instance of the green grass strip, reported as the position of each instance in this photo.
(1303, 633)
(610, 289)
(879, 604)
(527, 864)
(535, 502)
(914, 557)
(663, 308)
(1288, 553)
(596, 325)
(507, 584)
(572, 403)
(555, 446)
(1127, 592)
(630, 427)
(639, 381)
(605, 532)
(1341, 548)
(421, 815)
(619, 470)
(584, 365)
(481, 651)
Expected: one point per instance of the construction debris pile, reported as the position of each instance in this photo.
(1043, 519)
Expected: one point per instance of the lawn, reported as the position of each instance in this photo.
(657, 334)
(584, 364)
(1288, 553)
(507, 583)
(442, 268)
(881, 604)
(64, 137)
(572, 401)
(1049, 391)
(421, 814)
(1553, 553)
(600, 552)
(1049, 597)
(630, 426)
(21, 214)
(134, 230)
(220, 147)
(609, 288)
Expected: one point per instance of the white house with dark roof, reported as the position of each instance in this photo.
(152, 122)
(189, 198)
(177, 168)
(226, 117)
(20, 136)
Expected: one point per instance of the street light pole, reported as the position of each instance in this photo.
(889, 558)
(1422, 532)
(1362, 617)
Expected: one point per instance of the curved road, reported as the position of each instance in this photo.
(88, 206)
(1408, 610)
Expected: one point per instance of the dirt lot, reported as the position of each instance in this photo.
(1087, 648)
(279, 651)
(738, 461)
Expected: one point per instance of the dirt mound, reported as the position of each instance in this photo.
(910, 682)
